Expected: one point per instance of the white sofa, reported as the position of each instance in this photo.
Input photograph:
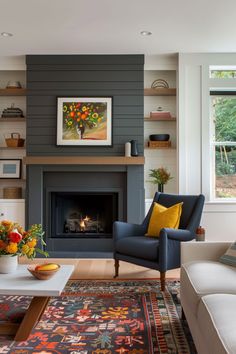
(208, 296)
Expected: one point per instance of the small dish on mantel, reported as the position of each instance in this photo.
(42, 274)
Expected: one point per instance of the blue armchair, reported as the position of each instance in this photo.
(163, 253)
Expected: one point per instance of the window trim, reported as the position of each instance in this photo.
(213, 143)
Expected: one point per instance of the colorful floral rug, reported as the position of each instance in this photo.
(104, 317)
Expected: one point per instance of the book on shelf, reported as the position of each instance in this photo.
(160, 115)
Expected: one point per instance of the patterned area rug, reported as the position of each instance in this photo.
(104, 317)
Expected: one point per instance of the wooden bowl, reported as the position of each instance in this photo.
(42, 274)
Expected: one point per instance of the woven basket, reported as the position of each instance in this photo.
(159, 144)
(15, 140)
(12, 193)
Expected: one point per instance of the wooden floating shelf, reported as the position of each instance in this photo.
(159, 148)
(12, 148)
(172, 119)
(14, 180)
(15, 119)
(13, 92)
(83, 160)
(160, 92)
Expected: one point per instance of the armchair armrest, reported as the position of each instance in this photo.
(177, 234)
(169, 247)
(123, 229)
(207, 251)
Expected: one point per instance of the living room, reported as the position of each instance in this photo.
(64, 59)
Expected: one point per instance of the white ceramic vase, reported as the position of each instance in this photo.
(8, 264)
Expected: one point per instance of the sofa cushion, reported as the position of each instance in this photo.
(217, 322)
(230, 256)
(206, 277)
(139, 246)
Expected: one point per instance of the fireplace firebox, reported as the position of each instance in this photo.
(83, 214)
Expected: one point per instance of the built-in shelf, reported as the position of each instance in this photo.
(172, 119)
(12, 148)
(160, 92)
(13, 92)
(6, 200)
(15, 179)
(83, 160)
(15, 119)
(159, 148)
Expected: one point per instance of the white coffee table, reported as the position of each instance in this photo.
(23, 283)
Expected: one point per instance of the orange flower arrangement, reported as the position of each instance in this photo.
(82, 115)
(14, 240)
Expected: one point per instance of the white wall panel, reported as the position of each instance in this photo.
(219, 218)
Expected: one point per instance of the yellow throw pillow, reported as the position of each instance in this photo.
(164, 217)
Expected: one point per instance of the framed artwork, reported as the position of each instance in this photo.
(84, 121)
(10, 168)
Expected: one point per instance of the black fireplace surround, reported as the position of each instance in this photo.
(77, 205)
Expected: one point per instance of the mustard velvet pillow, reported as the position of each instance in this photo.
(164, 217)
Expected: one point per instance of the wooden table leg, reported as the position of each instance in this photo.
(32, 316)
(9, 328)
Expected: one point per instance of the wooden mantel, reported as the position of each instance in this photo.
(83, 160)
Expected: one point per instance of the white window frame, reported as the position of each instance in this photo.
(216, 84)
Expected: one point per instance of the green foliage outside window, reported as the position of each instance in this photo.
(225, 118)
(225, 131)
(223, 74)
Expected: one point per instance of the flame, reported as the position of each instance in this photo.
(82, 225)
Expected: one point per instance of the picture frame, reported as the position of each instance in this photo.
(84, 121)
(10, 168)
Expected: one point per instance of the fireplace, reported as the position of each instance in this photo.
(83, 214)
(77, 205)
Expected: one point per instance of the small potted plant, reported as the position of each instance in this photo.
(15, 241)
(160, 176)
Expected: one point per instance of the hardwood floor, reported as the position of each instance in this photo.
(104, 269)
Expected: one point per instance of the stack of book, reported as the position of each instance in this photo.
(12, 112)
(160, 115)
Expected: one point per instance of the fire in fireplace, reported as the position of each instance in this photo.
(81, 214)
(77, 223)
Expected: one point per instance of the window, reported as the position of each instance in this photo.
(222, 86)
(223, 142)
(222, 72)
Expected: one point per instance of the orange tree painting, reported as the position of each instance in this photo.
(84, 121)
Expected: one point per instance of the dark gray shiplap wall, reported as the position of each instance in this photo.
(116, 76)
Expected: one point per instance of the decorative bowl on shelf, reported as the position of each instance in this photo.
(43, 271)
(13, 85)
(159, 137)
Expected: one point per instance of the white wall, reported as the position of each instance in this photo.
(219, 218)
(16, 62)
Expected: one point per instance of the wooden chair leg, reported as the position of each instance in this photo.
(182, 315)
(116, 265)
(163, 281)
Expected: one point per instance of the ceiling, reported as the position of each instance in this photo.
(113, 26)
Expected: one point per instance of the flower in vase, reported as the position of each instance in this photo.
(160, 176)
(14, 240)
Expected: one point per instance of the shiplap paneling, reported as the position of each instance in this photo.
(51, 76)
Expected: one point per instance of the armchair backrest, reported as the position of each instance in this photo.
(191, 211)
